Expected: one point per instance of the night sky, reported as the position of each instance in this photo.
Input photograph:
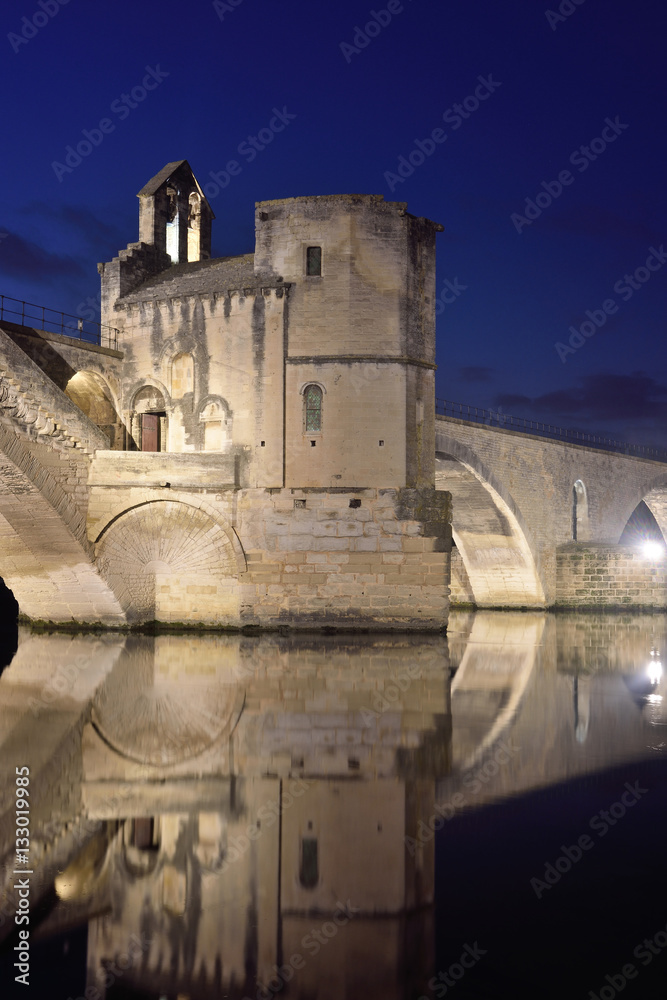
(483, 105)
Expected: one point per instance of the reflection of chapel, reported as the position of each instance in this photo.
(310, 361)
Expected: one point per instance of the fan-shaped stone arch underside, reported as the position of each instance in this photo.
(171, 562)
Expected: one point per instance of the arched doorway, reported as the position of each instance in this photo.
(149, 420)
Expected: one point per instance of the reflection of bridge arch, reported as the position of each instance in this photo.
(488, 530)
(498, 661)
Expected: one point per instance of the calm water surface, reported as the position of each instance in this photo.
(332, 817)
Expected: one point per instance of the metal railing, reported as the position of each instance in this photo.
(494, 418)
(29, 314)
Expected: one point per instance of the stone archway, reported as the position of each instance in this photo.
(92, 395)
(169, 561)
(499, 567)
(656, 501)
(647, 523)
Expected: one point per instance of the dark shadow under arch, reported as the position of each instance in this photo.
(9, 626)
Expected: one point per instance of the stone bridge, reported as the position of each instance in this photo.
(46, 444)
(535, 521)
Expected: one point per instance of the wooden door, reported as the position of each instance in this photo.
(150, 432)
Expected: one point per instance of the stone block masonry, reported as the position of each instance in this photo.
(366, 559)
(609, 576)
(298, 558)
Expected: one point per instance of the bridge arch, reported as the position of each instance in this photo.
(45, 558)
(94, 397)
(497, 551)
(654, 495)
(170, 560)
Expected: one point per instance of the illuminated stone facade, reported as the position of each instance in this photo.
(276, 458)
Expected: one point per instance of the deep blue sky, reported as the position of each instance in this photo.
(554, 84)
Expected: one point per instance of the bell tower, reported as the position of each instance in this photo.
(174, 214)
(174, 228)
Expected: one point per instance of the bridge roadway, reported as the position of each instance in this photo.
(513, 493)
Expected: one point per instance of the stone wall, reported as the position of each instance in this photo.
(314, 559)
(304, 558)
(599, 575)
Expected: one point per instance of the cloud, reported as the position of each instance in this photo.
(79, 220)
(602, 397)
(21, 258)
(476, 373)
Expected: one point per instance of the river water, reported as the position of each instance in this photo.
(343, 816)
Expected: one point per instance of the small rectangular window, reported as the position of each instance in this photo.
(314, 261)
(309, 867)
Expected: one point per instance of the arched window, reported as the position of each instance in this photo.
(216, 427)
(579, 512)
(182, 375)
(312, 404)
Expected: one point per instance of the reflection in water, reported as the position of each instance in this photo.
(245, 816)
(581, 688)
(648, 689)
